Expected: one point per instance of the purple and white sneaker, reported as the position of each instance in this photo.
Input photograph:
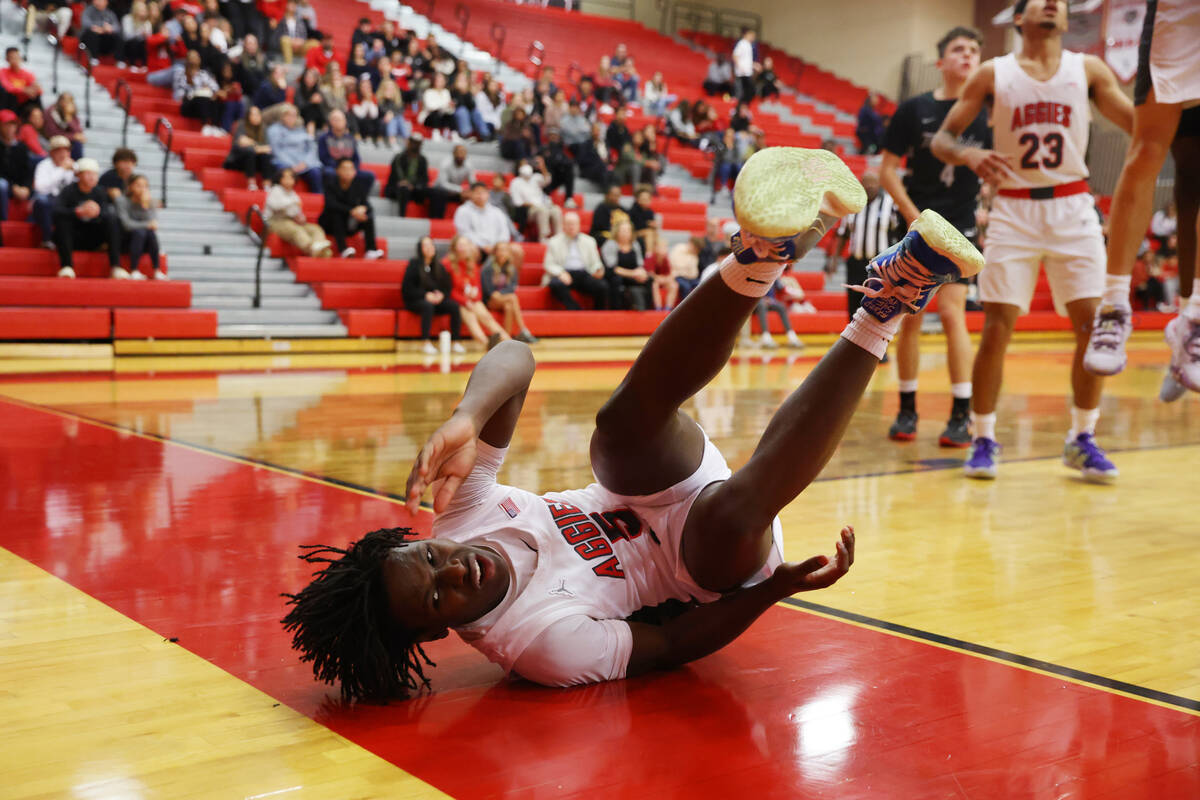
(1106, 345)
(1082, 453)
(1183, 337)
(985, 455)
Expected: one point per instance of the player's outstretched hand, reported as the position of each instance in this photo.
(817, 572)
(443, 463)
(989, 165)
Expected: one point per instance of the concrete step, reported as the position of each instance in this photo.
(390, 226)
(240, 277)
(279, 331)
(204, 287)
(275, 316)
(244, 301)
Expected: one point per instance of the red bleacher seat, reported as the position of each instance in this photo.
(55, 323)
(369, 322)
(38, 262)
(163, 323)
(88, 292)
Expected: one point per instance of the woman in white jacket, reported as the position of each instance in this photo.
(285, 218)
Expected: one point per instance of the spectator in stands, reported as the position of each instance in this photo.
(574, 127)
(528, 194)
(333, 90)
(244, 19)
(284, 214)
(138, 214)
(366, 112)
(272, 90)
(499, 279)
(319, 58)
(680, 124)
(463, 264)
(249, 152)
(560, 166)
(135, 28)
(426, 291)
(116, 180)
(480, 221)
(468, 122)
(310, 100)
(870, 127)
(252, 71)
(627, 81)
(391, 112)
(393, 41)
(19, 84)
(772, 301)
(593, 158)
(705, 120)
(408, 179)
(767, 81)
(665, 288)
(605, 88)
(50, 177)
(348, 210)
(517, 137)
(572, 261)
(100, 30)
(363, 33)
(84, 220)
(337, 143)
(33, 131)
(1163, 225)
(454, 176)
(628, 282)
(685, 264)
(718, 81)
(16, 167)
(290, 35)
(740, 121)
(637, 163)
(293, 147)
(437, 110)
(63, 120)
(197, 92)
(606, 214)
(656, 96)
(714, 240)
(229, 96)
(643, 217)
(620, 54)
(618, 134)
(745, 66)
(726, 164)
(59, 14)
(489, 101)
(501, 199)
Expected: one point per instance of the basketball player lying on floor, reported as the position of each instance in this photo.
(545, 585)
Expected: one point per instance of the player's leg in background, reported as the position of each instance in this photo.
(1085, 387)
(1184, 370)
(952, 309)
(1080, 450)
(987, 374)
(907, 348)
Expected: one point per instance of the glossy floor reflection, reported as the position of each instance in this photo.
(114, 486)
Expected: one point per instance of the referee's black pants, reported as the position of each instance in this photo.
(856, 273)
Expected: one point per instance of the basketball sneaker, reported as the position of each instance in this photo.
(1106, 346)
(957, 432)
(1171, 389)
(1183, 337)
(985, 455)
(904, 429)
(1082, 453)
(905, 276)
(786, 197)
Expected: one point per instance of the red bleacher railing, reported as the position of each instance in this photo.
(124, 96)
(462, 13)
(536, 53)
(499, 36)
(261, 237)
(160, 124)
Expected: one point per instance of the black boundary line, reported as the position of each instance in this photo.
(1001, 655)
(893, 627)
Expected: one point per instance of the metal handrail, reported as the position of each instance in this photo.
(261, 238)
(56, 46)
(160, 123)
(540, 49)
(85, 60)
(499, 36)
(126, 104)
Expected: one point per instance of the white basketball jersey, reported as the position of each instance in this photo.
(1043, 125)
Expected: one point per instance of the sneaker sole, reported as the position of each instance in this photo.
(1104, 373)
(1171, 389)
(782, 191)
(945, 441)
(901, 437)
(947, 241)
(980, 474)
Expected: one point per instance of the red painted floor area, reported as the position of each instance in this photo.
(199, 547)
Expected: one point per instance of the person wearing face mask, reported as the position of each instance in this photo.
(528, 193)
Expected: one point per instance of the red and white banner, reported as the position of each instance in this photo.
(1121, 36)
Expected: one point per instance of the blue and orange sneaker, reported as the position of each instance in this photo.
(985, 455)
(1082, 453)
(903, 278)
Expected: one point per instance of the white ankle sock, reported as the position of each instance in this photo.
(984, 425)
(907, 386)
(752, 280)
(1191, 309)
(1116, 290)
(869, 333)
(1083, 420)
(960, 391)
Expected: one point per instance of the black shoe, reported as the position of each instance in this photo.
(526, 337)
(957, 433)
(493, 340)
(904, 429)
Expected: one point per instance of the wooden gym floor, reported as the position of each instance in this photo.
(1032, 637)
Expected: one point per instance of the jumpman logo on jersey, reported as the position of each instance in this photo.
(561, 590)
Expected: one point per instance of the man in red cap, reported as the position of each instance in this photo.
(16, 171)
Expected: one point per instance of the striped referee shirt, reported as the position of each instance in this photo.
(872, 230)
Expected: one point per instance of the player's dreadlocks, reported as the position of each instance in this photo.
(339, 622)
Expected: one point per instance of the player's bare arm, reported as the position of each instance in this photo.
(989, 165)
(1107, 94)
(706, 629)
(489, 411)
(893, 184)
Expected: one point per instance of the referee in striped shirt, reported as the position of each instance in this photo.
(869, 232)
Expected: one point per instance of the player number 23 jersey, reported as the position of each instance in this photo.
(1043, 125)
